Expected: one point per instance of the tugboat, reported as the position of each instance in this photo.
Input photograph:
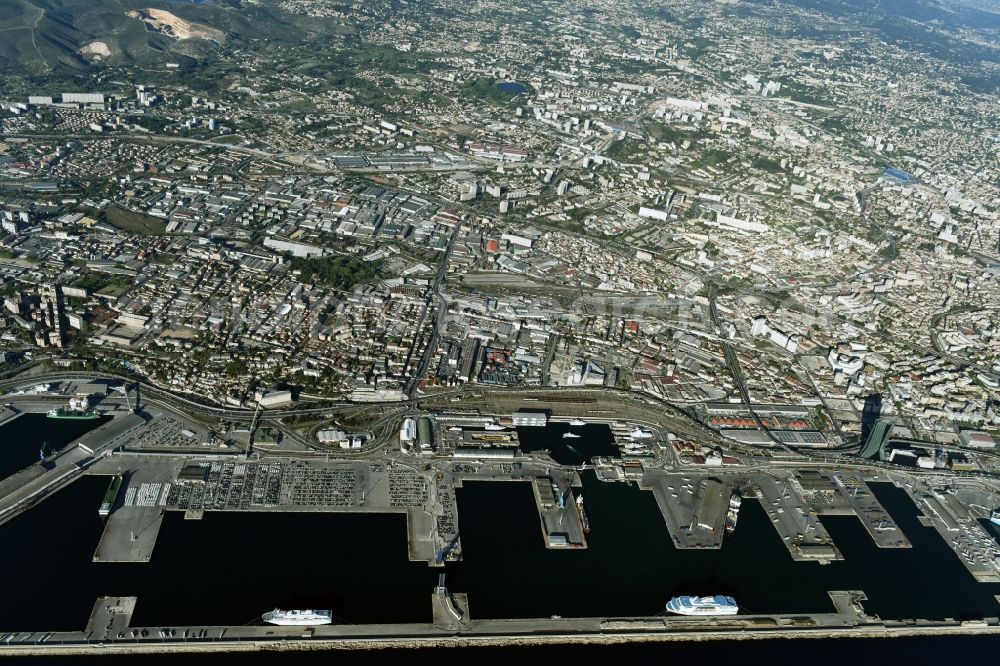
(583, 514)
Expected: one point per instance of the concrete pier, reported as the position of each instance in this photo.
(873, 516)
(562, 526)
(800, 530)
(450, 610)
(129, 535)
(111, 618)
(8, 414)
(976, 548)
(420, 538)
(682, 498)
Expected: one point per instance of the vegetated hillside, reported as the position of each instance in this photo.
(46, 35)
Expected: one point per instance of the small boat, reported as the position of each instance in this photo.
(995, 517)
(577, 422)
(568, 435)
(493, 426)
(454, 429)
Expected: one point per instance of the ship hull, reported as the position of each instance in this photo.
(584, 518)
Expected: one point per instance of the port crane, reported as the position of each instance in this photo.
(564, 496)
(123, 389)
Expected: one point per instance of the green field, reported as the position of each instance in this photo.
(135, 222)
(116, 286)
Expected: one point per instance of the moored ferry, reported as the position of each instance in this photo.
(717, 605)
(298, 617)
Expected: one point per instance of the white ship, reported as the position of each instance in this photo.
(298, 617)
(717, 605)
(995, 517)
(734, 509)
(454, 429)
(577, 422)
(569, 434)
(639, 433)
(493, 426)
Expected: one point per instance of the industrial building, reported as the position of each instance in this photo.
(486, 454)
(276, 399)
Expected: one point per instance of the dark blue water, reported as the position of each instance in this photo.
(230, 567)
(512, 87)
(21, 439)
(225, 569)
(594, 440)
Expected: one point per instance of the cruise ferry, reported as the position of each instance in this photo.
(298, 617)
(717, 605)
(77, 409)
(734, 508)
(577, 422)
(569, 435)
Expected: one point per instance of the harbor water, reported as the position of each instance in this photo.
(21, 439)
(593, 440)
